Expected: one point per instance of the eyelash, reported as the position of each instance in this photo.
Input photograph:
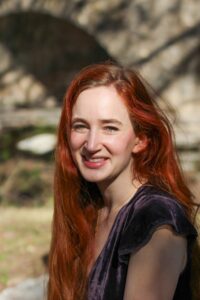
(78, 126)
(82, 126)
(111, 128)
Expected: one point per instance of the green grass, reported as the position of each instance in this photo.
(3, 278)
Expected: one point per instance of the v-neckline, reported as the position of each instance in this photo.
(112, 228)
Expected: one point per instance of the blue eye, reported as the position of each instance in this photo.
(79, 127)
(111, 128)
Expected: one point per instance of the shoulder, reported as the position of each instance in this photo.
(152, 196)
(157, 207)
(163, 257)
(153, 208)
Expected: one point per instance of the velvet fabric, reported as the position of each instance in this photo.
(133, 227)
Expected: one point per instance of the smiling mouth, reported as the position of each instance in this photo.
(94, 163)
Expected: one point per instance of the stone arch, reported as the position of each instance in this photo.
(43, 53)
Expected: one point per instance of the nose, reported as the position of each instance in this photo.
(93, 141)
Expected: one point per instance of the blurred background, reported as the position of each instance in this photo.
(43, 43)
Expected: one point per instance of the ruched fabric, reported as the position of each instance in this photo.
(148, 210)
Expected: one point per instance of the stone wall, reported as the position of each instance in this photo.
(52, 39)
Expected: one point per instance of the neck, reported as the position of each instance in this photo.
(117, 194)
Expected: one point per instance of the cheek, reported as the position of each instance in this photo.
(122, 144)
(76, 141)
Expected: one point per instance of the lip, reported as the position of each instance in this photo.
(94, 162)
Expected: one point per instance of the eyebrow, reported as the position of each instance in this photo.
(103, 121)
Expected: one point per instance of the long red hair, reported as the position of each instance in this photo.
(77, 201)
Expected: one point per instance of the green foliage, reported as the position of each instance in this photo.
(2, 257)
(3, 277)
(28, 188)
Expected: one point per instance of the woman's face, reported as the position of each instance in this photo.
(102, 136)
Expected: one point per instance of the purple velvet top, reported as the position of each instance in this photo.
(133, 227)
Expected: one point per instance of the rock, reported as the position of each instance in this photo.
(190, 161)
(29, 117)
(190, 112)
(33, 90)
(187, 139)
(7, 60)
(21, 89)
(38, 144)
(30, 289)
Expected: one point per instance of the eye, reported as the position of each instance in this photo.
(79, 127)
(111, 129)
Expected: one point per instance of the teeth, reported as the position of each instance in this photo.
(95, 159)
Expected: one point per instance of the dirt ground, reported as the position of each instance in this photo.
(24, 241)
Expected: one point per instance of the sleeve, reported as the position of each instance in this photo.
(147, 216)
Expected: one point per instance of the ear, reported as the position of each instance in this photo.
(140, 144)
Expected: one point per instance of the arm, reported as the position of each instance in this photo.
(153, 271)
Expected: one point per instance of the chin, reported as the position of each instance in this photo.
(98, 179)
(94, 179)
(93, 175)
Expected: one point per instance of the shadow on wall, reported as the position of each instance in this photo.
(48, 48)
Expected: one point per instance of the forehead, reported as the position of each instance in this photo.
(100, 102)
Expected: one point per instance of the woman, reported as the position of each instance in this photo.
(121, 227)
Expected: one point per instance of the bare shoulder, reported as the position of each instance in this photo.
(167, 236)
(153, 271)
